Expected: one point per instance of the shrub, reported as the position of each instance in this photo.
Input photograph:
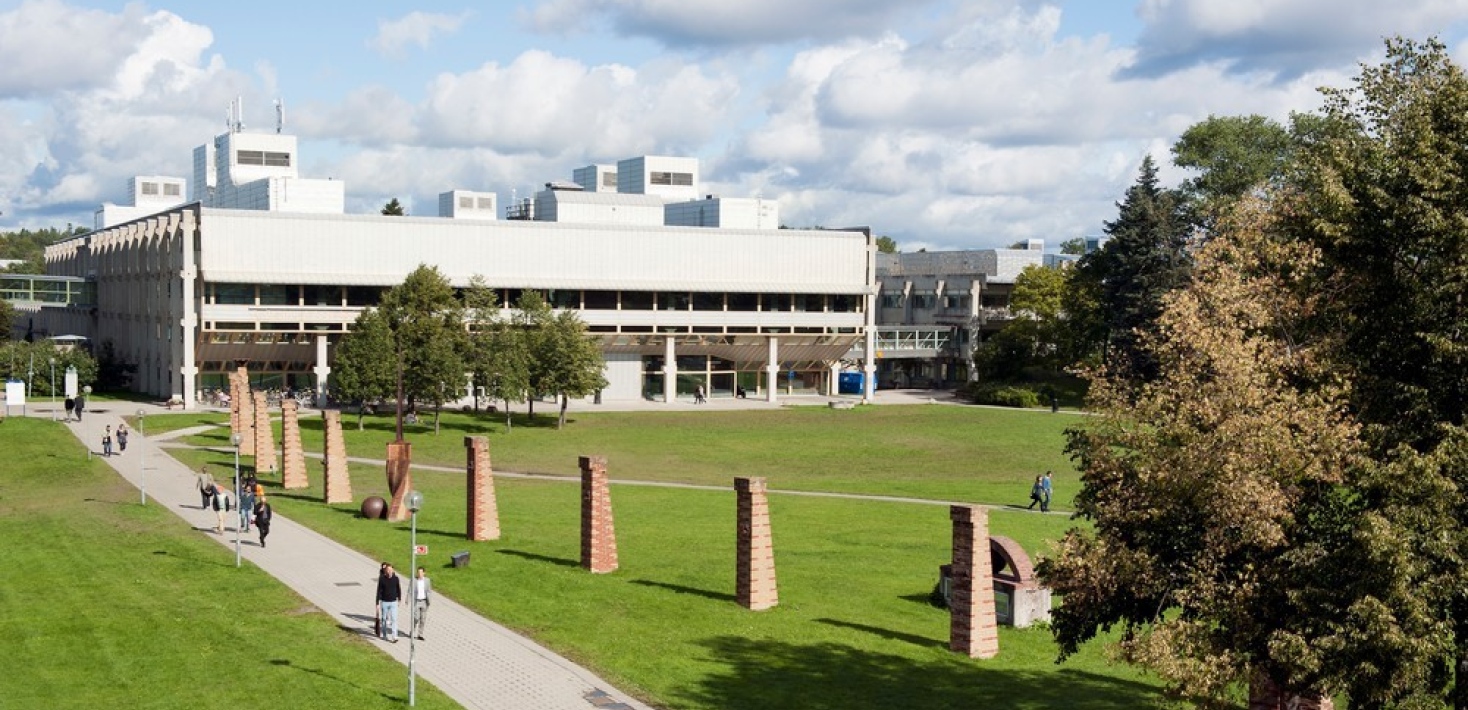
(1002, 395)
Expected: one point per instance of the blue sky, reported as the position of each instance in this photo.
(942, 123)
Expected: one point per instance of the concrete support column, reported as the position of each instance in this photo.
(772, 370)
(264, 437)
(833, 387)
(973, 628)
(670, 371)
(293, 463)
(484, 515)
(338, 480)
(322, 371)
(755, 576)
(399, 479)
(598, 534)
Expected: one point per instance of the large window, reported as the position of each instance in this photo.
(708, 301)
(637, 301)
(923, 300)
(275, 295)
(672, 301)
(234, 294)
(600, 300)
(891, 300)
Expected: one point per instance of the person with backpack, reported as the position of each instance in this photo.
(262, 514)
(122, 438)
(1037, 492)
(221, 508)
(206, 487)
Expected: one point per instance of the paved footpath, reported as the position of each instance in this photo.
(477, 662)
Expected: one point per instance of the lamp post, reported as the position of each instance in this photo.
(53, 392)
(142, 461)
(236, 441)
(415, 501)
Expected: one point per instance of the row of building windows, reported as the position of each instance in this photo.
(680, 179)
(170, 189)
(304, 333)
(926, 301)
(263, 157)
(362, 296)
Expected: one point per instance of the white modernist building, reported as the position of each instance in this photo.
(191, 292)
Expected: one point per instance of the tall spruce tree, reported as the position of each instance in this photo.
(1145, 259)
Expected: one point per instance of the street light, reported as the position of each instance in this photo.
(142, 458)
(415, 501)
(53, 391)
(236, 440)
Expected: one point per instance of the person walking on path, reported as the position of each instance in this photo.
(81, 403)
(122, 438)
(420, 588)
(206, 487)
(698, 397)
(247, 506)
(1037, 492)
(70, 407)
(107, 441)
(262, 512)
(221, 508)
(389, 592)
(1045, 502)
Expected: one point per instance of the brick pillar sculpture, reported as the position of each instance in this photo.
(246, 404)
(264, 436)
(1265, 694)
(338, 480)
(236, 426)
(484, 514)
(598, 534)
(399, 479)
(293, 464)
(755, 577)
(973, 628)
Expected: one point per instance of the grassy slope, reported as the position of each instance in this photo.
(928, 451)
(112, 604)
(853, 629)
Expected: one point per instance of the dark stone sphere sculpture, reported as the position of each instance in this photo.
(374, 507)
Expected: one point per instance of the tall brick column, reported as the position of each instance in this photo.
(338, 480)
(242, 406)
(755, 577)
(293, 467)
(972, 627)
(484, 513)
(598, 534)
(264, 437)
(399, 479)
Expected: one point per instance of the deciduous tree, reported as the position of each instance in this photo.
(365, 368)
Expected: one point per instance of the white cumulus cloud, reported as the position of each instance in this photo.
(414, 28)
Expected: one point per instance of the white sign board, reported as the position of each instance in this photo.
(71, 388)
(14, 394)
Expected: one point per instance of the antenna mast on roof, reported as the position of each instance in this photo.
(279, 115)
(237, 115)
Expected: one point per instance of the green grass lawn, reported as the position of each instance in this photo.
(972, 454)
(110, 604)
(853, 628)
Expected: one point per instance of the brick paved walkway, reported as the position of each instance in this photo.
(475, 661)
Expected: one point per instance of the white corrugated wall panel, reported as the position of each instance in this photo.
(265, 247)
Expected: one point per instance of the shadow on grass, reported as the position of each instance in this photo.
(559, 561)
(761, 674)
(287, 664)
(914, 639)
(708, 594)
